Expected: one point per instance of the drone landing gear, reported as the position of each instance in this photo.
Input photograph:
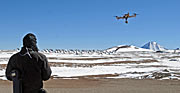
(126, 22)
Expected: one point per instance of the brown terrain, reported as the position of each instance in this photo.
(84, 85)
(98, 83)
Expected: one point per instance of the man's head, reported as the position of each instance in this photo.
(30, 41)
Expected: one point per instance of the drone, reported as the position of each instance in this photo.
(126, 16)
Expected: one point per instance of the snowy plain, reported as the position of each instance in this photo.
(136, 63)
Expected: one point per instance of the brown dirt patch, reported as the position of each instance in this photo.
(3, 66)
(104, 86)
(60, 64)
(71, 83)
(87, 76)
(171, 57)
(57, 58)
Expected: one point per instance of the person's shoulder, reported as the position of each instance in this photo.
(38, 54)
(14, 55)
(42, 55)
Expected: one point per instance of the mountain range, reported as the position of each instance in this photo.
(150, 46)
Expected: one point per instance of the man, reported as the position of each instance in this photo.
(32, 66)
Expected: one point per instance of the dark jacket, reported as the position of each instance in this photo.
(33, 67)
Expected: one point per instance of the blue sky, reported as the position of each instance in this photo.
(89, 24)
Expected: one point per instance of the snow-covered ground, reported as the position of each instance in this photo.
(139, 64)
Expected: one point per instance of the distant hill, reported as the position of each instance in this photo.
(153, 46)
(126, 48)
